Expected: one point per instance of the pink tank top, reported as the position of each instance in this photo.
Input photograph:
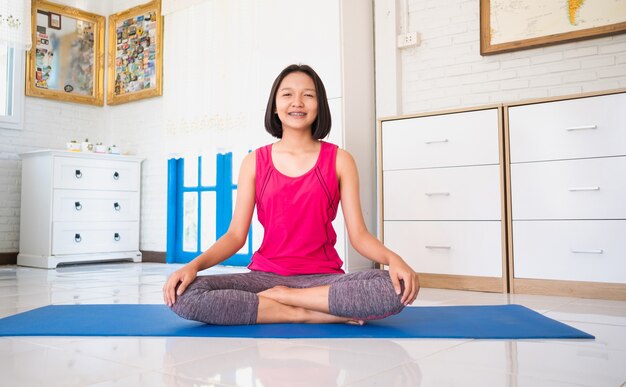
(296, 214)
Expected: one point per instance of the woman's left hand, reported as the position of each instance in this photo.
(399, 270)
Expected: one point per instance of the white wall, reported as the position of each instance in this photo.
(201, 110)
(216, 87)
(358, 108)
(447, 70)
(218, 70)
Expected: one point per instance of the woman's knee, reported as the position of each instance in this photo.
(368, 299)
(392, 299)
(217, 307)
(183, 306)
(196, 305)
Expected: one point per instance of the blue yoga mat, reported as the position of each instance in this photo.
(459, 322)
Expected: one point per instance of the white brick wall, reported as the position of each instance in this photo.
(9, 202)
(447, 70)
(47, 124)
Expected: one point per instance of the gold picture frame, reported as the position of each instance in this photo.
(66, 61)
(509, 26)
(135, 54)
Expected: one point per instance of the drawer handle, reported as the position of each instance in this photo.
(78, 206)
(116, 236)
(436, 141)
(591, 251)
(433, 247)
(429, 194)
(584, 127)
(77, 238)
(116, 175)
(117, 206)
(78, 174)
(578, 189)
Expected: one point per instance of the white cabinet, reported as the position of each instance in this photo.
(572, 250)
(568, 129)
(570, 189)
(78, 207)
(441, 140)
(557, 225)
(442, 199)
(567, 195)
(455, 193)
(463, 248)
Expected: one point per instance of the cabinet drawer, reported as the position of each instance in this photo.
(588, 250)
(79, 205)
(468, 138)
(463, 193)
(576, 128)
(94, 237)
(574, 189)
(455, 248)
(76, 173)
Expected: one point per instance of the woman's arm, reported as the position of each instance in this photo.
(361, 239)
(229, 243)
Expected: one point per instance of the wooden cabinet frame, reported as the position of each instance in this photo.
(540, 286)
(446, 281)
(508, 282)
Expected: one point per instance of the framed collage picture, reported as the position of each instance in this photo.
(135, 64)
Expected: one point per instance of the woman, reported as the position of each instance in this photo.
(296, 185)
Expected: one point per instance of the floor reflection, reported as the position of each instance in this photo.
(305, 363)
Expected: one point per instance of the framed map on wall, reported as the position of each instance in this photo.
(509, 25)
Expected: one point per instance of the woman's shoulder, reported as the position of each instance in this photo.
(260, 155)
(249, 161)
(345, 163)
(344, 156)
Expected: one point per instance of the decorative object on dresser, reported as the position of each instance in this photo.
(79, 207)
(567, 187)
(441, 196)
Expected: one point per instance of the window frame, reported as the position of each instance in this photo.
(15, 72)
(223, 188)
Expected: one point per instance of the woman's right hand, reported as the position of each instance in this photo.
(177, 283)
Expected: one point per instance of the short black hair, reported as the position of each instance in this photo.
(322, 124)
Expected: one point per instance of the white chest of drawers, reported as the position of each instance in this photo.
(441, 195)
(78, 207)
(568, 196)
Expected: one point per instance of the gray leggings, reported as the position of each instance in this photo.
(230, 299)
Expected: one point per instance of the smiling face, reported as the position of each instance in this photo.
(296, 102)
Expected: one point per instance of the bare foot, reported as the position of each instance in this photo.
(314, 317)
(274, 293)
(308, 305)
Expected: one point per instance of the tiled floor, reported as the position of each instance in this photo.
(88, 361)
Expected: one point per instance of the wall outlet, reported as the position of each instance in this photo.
(410, 39)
